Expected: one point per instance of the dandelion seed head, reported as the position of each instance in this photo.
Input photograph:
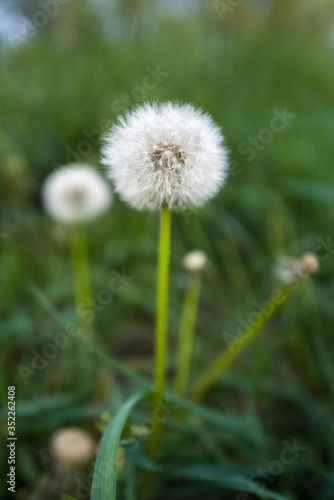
(75, 194)
(289, 269)
(72, 447)
(165, 154)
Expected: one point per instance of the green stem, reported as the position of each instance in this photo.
(223, 361)
(161, 326)
(82, 289)
(162, 297)
(187, 328)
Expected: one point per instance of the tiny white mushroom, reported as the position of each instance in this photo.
(72, 447)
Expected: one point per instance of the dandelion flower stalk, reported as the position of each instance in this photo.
(161, 325)
(227, 356)
(80, 266)
(162, 303)
(195, 263)
(291, 272)
(75, 195)
(164, 157)
(186, 334)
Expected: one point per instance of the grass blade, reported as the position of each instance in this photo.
(221, 476)
(104, 479)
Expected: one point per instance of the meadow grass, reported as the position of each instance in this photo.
(56, 91)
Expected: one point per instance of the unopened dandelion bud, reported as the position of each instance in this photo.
(195, 261)
(309, 263)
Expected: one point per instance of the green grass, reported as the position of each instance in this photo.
(281, 388)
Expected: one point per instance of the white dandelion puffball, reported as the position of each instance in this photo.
(195, 261)
(165, 154)
(72, 447)
(75, 194)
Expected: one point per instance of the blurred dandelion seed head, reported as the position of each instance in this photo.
(165, 154)
(75, 194)
(72, 447)
(290, 269)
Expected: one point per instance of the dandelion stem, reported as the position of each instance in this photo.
(82, 287)
(227, 356)
(161, 325)
(185, 345)
(162, 297)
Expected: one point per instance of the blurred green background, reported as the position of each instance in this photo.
(61, 85)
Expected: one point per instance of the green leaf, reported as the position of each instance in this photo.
(104, 479)
(130, 486)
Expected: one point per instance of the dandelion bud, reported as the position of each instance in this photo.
(72, 447)
(309, 263)
(165, 154)
(195, 261)
(75, 194)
